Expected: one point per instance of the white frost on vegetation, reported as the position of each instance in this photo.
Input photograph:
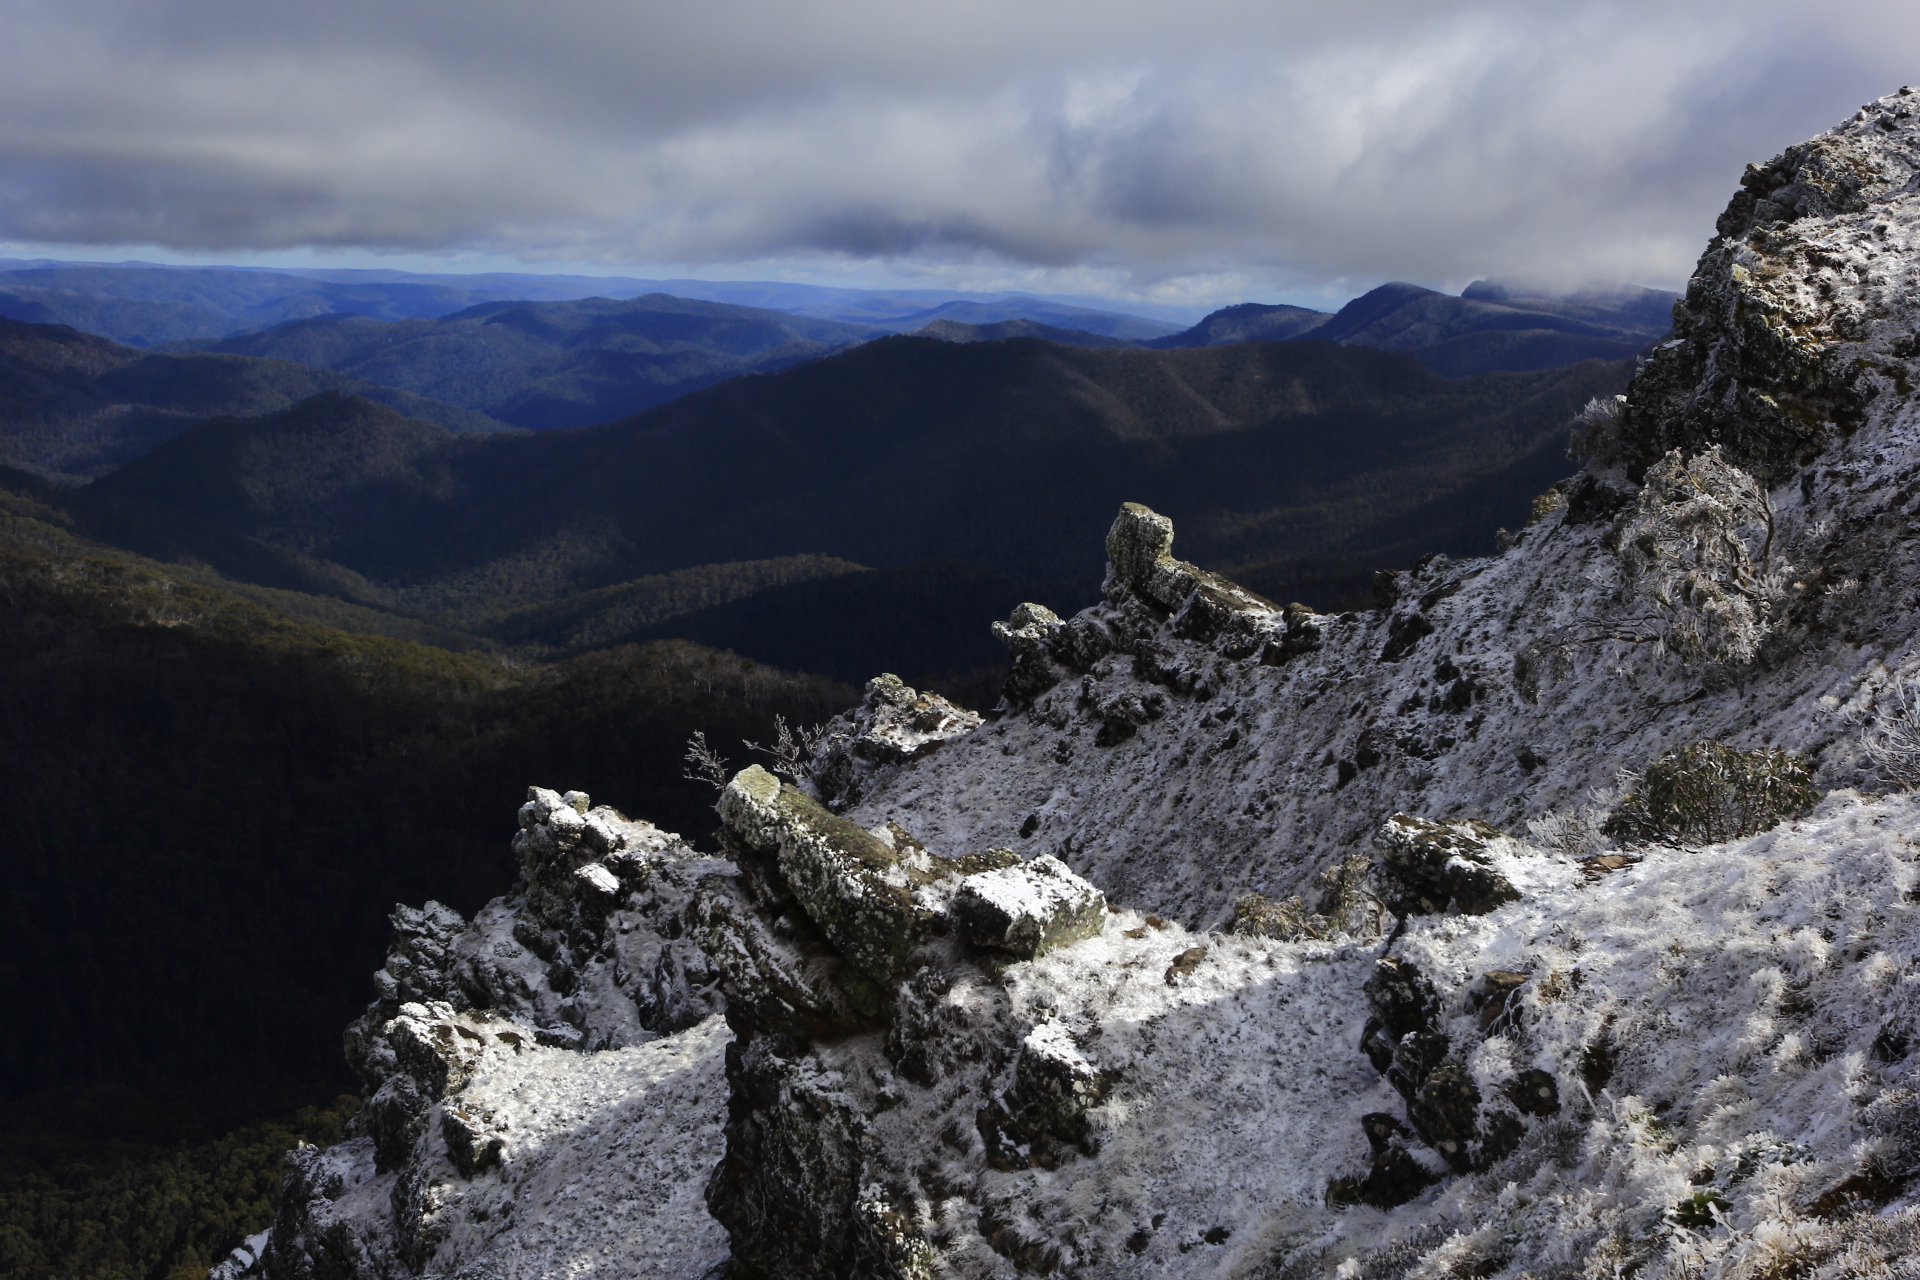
(1719, 1023)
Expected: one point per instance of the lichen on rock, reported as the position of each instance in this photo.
(1428, 867)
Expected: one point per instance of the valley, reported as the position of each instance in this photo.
(279, 622)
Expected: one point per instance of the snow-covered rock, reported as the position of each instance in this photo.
(1029, 909)
(543, 1084)
(1551, 1034)
(892, 726)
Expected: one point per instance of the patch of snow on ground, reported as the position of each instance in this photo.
(606, 1158)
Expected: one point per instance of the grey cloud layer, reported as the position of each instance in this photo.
(1431, 141)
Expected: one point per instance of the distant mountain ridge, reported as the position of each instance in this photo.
(1490, 326)
(1246, 322)
(542, 365)
(143, 304)
(902, 450)
(1000, 331)
(1108, 324)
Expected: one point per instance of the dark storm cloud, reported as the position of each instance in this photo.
(1209, 141)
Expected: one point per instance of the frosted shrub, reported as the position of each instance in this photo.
(1256, 915)
(1696, 550)
(704, 764)
(1546, 504)
(1597, 430)
(1708, 792)
(1344, 906)
(1892, 739)
(794, 750)
(1573, 833)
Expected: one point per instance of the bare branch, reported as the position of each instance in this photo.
(1892, 739)
(793, 750)
(704, 764)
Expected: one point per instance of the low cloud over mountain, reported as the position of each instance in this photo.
(1211, 149)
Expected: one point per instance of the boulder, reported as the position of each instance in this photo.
(1030, 909)
(1031, 635)
(471, 1144)
(1301, 635)
(1395, 1174)
(1427, 868)
(1402, 998)
(1033, 1123)
(856, 887)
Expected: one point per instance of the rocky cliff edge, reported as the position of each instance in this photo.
(1557, 917)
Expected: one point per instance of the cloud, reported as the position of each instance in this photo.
(1170, 149)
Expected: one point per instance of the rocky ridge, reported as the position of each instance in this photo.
(1249, 942)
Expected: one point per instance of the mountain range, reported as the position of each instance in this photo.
(143, 304)
(542, 365)
(1281, 457)
(311, 559)
(1553, 918)
(1489, 326)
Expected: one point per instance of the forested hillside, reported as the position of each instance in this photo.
(268, 677)
(74, 406)
(1008, 456)
(230, 800)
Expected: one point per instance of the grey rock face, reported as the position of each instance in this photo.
(787, 1188)
(1140, 565)
(334, 1219)
(1798, 316)
(892, 726)
(1032, 636)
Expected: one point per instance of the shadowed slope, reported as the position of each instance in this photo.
(74, 406)
(1007, 455)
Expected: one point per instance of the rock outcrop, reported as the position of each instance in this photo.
(892, 727)
(1241, 747)
(503, 1052)
(977, 1018)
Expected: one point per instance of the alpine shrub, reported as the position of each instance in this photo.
(1709, 792)
(1697, 550)
(1892, 739)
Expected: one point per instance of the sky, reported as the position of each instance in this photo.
(1190, 153)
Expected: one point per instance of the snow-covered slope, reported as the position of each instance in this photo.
(1661, 1017)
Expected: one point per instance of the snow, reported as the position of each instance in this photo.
(605, 1160)
(1733, 1031)
(1028, 908)
(1739, 990)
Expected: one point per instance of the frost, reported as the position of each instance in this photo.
(1892, 739)
(1596, 430)
(1698, 550)
(1698, 1056)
